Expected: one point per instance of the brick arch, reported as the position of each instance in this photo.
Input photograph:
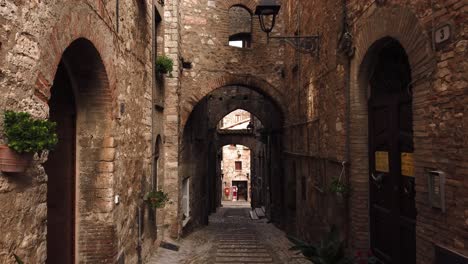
(80, 42)
(248, 141)
(250, 5)
(245, 80)
(67, 28)
(400, 24)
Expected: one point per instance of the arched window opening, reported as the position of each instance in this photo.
(239, 120)
(240, 27)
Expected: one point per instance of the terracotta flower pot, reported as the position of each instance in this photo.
(11, 161)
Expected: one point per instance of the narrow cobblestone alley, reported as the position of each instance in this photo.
(207, 131)
(232, 237)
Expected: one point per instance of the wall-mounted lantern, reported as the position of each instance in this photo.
(267, 12)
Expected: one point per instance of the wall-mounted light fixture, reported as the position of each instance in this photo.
(267, 12)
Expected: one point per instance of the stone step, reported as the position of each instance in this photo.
(244, 259)
(243, 254)
(242, 250)
(260, 213)
(241, 246)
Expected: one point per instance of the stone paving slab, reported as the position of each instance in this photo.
(232, 237)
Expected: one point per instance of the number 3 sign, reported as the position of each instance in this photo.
(442, 34)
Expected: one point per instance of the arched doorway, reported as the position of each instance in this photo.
(391, 172)
(202, 140)
(80, 168)
(60, 169)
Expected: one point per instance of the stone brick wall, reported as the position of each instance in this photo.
(205, 34)
(205, 31)
(33, 37)
(240, 20)
(314, 133)
(317, 112)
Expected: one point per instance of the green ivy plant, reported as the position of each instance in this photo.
(338, 187)
(156, 199)
(330, 250)
(28, 135)
(164, 64)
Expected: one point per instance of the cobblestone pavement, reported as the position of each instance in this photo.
(232, 237)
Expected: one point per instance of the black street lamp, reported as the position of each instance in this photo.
(268, 10)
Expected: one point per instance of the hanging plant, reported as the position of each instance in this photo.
(164, 64)
(156, 199)
(337, 185)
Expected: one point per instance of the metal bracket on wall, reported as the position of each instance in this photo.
(303, 44)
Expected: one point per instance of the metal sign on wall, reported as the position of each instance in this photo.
(407, 164)
(381, 161)
(442, 35)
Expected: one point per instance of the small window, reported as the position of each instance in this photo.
(240, 27)
(241, 40)
(238, 165)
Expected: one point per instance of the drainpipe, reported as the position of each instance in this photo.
(139, 247)
(153, 88)
(347, 49)
(117, 16)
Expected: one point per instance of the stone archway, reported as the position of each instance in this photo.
(255, 84)
(400, 24)
(201, 141)
(87, 150)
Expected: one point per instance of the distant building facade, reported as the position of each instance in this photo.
(236, 159)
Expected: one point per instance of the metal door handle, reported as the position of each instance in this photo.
(378, 180)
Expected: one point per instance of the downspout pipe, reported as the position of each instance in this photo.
(347, 49)
(153, 88)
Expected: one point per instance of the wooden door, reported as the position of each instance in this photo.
(60, 169)
(391, 174)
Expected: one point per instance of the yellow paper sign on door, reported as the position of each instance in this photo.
(381, 161)
(407, 164)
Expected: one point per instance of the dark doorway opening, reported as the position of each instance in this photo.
(391, 171)
(242, 190)
(201, 153)
(60, 168)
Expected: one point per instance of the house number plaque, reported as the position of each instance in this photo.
(442, 34)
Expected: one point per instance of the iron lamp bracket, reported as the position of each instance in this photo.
(303, 44)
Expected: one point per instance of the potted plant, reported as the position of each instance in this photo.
(156, 199)
(164, 64)
(338, 187)
(25, 136)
